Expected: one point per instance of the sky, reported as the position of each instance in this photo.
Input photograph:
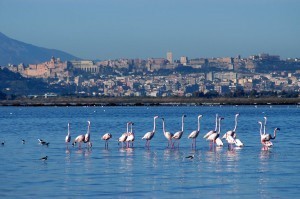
(111, 29)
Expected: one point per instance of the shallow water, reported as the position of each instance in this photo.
(157, 172)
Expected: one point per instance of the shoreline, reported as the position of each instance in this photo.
(145, 101)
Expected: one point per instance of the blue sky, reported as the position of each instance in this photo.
(108, 29)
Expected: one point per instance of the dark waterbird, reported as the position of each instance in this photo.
(44, 158)
(43, 142)
(190, 157)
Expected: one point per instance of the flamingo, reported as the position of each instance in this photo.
(130, 137)
(232, 132)
(212, 131)
(106, 137)
(87, 136)
(214, 137)
(124, 135)
(68, 137)
(264, 142)
(149, 135)
(193, 135)
(79, 139)
(268, 137)
(167, 134)
(179, 134)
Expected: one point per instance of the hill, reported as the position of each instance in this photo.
(16, 52)
(14, 84)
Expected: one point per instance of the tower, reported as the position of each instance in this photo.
(170, 57)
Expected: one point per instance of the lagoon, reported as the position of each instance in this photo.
(155, 172)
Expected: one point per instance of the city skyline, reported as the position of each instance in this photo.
(142, 29)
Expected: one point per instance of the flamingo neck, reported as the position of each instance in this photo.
(216, 128)
(154, 125)
(182, 123)
(164, 127)
(127, 126)
(88, 131)
(198, 124)
(68, 129)
(235, 126)
(131, 129)
(275, 130)
(260, 131)
(219, 126)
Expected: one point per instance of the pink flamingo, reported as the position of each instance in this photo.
(68, 137)
(193, 135)
(267, 137)
(212, 131)
(265, 143)
(130, 137)
(79, 139)
(214, 137)
(167, 134)
(123, 137)
(232, 132)
(106, 137)
(87, 136)
(179, 134)
(149, 135)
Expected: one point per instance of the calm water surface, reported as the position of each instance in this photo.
(157, 172)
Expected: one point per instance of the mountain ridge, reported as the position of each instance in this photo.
(15, 52)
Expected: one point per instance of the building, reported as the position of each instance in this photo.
(184, 60)
(87, 66)
(170, 57)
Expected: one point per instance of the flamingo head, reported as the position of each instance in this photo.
(89, 122)
(199, 116)
(183, 115)
(237, 114)
(277, 129)
(155, 117)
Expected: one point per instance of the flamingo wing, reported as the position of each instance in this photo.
(219, 142)
(148, 136)
(130, 138)
(212, 137)
(230, 139)
(79, 138)
(238, 143)
(168, 135)
(123, 137)
(177, 135)
(193, 134)
(208, 134)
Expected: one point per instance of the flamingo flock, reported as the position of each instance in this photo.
(213, 136)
